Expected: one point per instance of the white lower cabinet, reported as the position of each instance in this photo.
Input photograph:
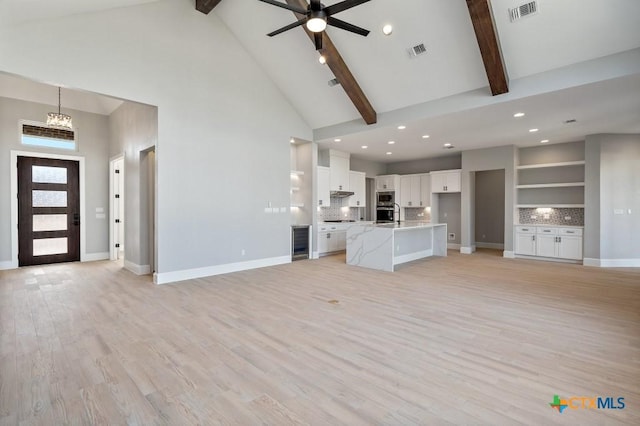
(332, 238)
(549, 241)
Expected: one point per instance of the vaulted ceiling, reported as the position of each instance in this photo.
(563, 62)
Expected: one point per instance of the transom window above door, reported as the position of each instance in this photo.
(48, 137)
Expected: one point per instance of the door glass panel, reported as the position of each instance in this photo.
(46, 174)
(49, 222)
(46, 246)
(49, 198)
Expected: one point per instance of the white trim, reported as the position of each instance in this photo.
(8, 265)
(397, 260)
(207, 271)
(14, 197)
(467, 250)
(508, 254)
(612, 263)
(496, 246)
(92, 257)
(453, 246)
(548, 259)
(137, 269)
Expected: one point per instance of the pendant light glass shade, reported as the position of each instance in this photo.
(57, 119)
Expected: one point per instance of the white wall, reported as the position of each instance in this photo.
(93, 141)
(223, 126)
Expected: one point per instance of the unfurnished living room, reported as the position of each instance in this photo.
(293, 212)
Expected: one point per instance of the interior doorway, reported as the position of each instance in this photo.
(116, 208)
(489, 209)
(48, 210)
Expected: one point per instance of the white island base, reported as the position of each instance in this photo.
(383, 246)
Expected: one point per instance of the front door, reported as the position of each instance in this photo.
(48, 211)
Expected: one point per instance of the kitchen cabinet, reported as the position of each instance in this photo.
(410, 191)
(445, 181)
(425, 190)
(324, 179)
(357, 184)
(339, 166)
(332, 238)
(549, 242)
(388, 183)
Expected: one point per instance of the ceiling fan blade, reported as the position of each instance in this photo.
(315, 5)
(346, 26)
(286, 6)
(317, 38)
(343, 5)
(287, 27)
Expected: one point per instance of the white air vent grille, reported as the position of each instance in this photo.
(526, 9)
(420, 49)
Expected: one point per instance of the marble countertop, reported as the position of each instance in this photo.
(406, 225)
(548, 225)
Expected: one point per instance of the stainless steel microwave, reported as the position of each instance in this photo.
(386, 198)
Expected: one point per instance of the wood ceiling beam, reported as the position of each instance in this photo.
(340, 70)
(486, 33)
(206, 6)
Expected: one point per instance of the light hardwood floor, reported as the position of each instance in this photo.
(459, 340)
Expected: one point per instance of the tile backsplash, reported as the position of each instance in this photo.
(412, 214)
(569, 217)
(337, 212)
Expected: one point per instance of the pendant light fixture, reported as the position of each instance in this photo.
(57, 119)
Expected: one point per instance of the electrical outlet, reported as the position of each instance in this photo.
(452, 236)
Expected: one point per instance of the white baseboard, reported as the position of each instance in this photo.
(9, 264)
(207, 271)
(508, 254)
(453, 246)
(612, 263)
(397, 260)
(137, 269)
(548, 259)
(496, 246)
(92, 257)
(468, 250)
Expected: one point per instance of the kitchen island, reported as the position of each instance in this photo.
(383, 246)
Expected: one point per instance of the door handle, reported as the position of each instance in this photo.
(76, 219)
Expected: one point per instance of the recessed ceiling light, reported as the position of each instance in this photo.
(364, 147)
(389, 152)
(292, 140)
(533, 130)
(387, 29)
(402, 127)
(425, 136)
(391, 142)
(337, 140)
(544, 141)
(518, 114)
(322, 59)
(448, 146)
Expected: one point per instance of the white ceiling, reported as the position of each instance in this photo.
(443, 93)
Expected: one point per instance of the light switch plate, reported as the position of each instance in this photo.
(618, 211)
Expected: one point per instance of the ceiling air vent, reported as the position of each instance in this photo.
(333, 82)
(420, 49)
(526, 9)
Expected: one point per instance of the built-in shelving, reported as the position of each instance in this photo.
(546, 165)
(550, 185)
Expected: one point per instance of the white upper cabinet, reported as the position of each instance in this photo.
(410, 191)
(357, 184)
(445, 181)
(425, 190)
(339, 165)
(324, 181)
(387, 183)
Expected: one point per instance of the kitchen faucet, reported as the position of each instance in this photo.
(394, 210)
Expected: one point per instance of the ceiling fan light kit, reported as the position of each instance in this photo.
(316, 17)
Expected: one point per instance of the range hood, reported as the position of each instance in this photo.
(340, 194)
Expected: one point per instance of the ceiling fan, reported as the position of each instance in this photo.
(317, 17)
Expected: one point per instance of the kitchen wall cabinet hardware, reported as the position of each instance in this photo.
(324, 177)
(357, 184)
(445, 181)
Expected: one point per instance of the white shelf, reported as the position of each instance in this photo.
(550, 185)
(297, 173)
(547, 206)
(545, 165)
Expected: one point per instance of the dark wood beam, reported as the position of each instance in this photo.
(483, 25)
(341, 71)
(206, 6)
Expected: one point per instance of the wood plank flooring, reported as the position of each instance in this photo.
(467, 339)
